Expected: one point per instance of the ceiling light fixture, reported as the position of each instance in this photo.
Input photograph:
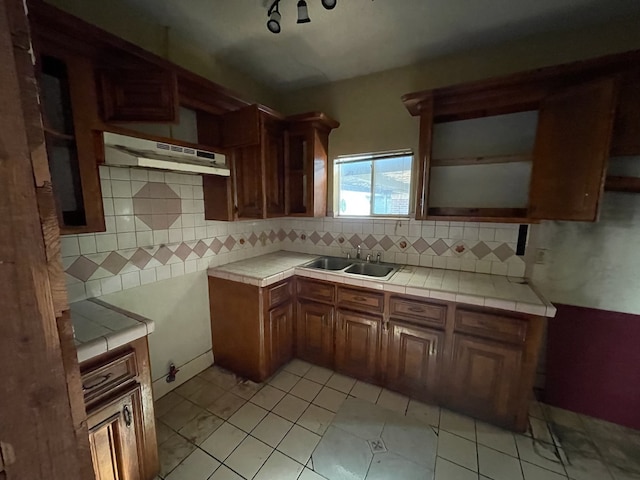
(273, 24)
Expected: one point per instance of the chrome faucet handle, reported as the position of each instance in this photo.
(358, 251)
(348, 255)
(368, 258)
(378, 257)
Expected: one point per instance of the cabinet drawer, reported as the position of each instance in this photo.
(99, 380)
(430, 313)
(361, 300)
(508, 329)
(279, 293)
(323, 292)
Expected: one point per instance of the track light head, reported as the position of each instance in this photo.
(329, 4)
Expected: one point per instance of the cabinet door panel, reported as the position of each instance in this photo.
(358, 344)
(315, 333)
(248, 179)
(571, 151)
(273, 150)
(280, 336)
(414, 359)
(134, 95)
(484, 378)
(113, 438)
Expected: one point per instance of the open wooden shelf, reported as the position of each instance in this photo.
(481, 160)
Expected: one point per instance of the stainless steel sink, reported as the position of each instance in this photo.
(370, 269)
(329, 263)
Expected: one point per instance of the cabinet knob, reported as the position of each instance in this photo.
(126, 413)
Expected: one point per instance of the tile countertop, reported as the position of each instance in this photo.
(495, 291)
(99, 327)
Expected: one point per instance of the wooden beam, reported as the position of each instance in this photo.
(36, 420)
(622, 184)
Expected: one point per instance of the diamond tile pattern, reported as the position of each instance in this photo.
(370, 242)
(481, 250)
(327, 238)
(216, 246)
(504, 252)
(201, 248)
(163, 255)
(82, 269)
(114, 263)
(315, 237)
(183, 251)
(440, 246)
(157, 205)
(253, 239)
(355, 240)
(229, 242)
(386, 242)
(140, 258)
(420, 245)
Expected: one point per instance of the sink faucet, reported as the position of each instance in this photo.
(368, 258)
(358, 252)
(378, 257)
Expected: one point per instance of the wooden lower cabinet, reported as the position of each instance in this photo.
(475, 360)
(484, 378)
(120, 418)
(279, 335)
(358, 344)
(113, 438)
(414, 359)
(315, 327)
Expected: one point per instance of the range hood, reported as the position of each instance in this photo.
(125, 151)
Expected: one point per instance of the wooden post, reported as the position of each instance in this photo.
(42, 434)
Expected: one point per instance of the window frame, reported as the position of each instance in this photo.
(373, 157)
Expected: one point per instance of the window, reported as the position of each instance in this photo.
(373, 185)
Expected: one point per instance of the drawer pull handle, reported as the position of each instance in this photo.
(416, 309)
(360, 299)
(101, 379)
(126, 413)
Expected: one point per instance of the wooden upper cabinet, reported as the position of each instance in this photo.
(308, 164)
(241, 127)
(273, 149)
(69, 112)
(626, 130)
(358, 344)
(247, 168)
(138, 94)
(571, 151)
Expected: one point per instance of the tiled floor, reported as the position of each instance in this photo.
(309, 423)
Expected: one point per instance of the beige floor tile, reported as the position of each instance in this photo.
(246, 389)
(221, 377)
(341, 383)
(535, 410)
(429, 414)
(584, 466)
(330, 399)
(272, 429)
(197, 466)
(279, 467)
(223, 441)
(191, 387)
(299, 444)
(497, 465)
(172, 452)
(446, 470)
(306, 389)
(316, 419)
(226, 405)
(458, 424)
(539, 429)
(166, 403)
(206, 395)
(267, 397)
(393, 401)
(563, 417)
(533, 472)
(457, 450)
(249, 457)
(310, 475)
(247, 417)
(162, 432)
(291, 408)
(539, 453)
(365, 391)
(181, 414)
(319, 375)
(201, 427)
(298, 367)
(225, 473)
(496, 438)
(284, 381)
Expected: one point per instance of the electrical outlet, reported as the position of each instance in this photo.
(541, 256)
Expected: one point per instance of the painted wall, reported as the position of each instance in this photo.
(134, 26)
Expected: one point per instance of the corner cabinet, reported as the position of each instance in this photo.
(526, 147)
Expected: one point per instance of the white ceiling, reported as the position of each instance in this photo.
(364, 36)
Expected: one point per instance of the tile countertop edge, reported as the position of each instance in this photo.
(116, 339)
(545, 309)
